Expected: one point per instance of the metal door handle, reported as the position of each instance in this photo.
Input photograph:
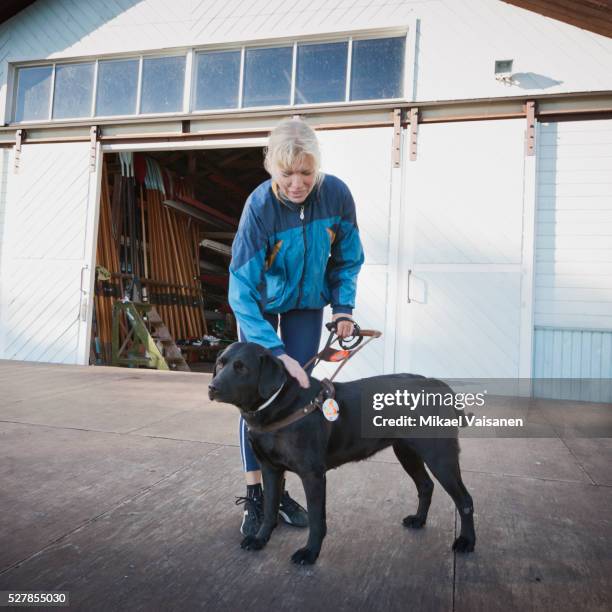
(408, 296)
(84, 267)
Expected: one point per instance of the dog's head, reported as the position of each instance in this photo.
(245, 375)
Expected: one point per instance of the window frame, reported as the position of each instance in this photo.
(190, 76)
(52, 102)
(193, 85)
(138, 86)
(186, 80)
(285, 45)
(349, 41)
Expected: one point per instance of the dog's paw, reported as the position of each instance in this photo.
(414, 521)
(463, 545)
(252, 543)
(304, 556)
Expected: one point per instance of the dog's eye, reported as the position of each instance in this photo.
(239, 366)
(220, 364)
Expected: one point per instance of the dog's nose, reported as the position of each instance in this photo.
(211, 391)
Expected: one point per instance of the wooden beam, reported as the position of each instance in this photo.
(208, 209)
(219, 235)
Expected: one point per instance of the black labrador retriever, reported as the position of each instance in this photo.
(247, 376)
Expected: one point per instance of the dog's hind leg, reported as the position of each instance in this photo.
(413, 464)
(272, 482)
(442, 458)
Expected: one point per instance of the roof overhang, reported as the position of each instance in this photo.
(8, 8)
(592, 15)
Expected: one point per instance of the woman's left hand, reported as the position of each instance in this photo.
(344, 329)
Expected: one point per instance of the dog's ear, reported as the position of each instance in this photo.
(271, 375)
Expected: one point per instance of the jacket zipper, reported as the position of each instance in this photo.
(304, 267)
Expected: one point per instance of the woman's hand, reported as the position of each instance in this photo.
(296, 370)
(344, 329)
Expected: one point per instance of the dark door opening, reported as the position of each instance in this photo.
(167, 222)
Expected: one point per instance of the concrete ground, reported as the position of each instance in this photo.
(118, 486)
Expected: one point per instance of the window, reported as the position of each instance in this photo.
(302, 72)
(73, 90)
(33, 91)
(321, 73)
(377, 68)
(163, 81)
(117, 85)
(218, 80)
(267, 76)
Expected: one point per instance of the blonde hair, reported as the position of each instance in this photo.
(290, 141)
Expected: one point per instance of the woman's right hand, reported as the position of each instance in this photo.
(296, 370)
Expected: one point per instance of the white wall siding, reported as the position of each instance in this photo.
(573, 286)
(6, 166)
(573, 283)
(457, 44)
(573, 364)
(459, 41)
(572, 353)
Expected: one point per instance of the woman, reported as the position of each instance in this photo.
(297, 250)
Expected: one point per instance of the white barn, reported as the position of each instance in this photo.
(484, 198)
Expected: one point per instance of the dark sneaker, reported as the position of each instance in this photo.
(291, 512)
(253, 514)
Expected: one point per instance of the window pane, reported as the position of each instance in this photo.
(267, 76)
(117, 84)
(218, 78)
(163, 79)
(73, 90)
(377, 68)
(33, 91)
(321, 73)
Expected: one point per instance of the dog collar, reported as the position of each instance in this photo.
(271, 399)
(327, 391)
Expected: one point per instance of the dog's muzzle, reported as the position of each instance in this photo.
(212, 391)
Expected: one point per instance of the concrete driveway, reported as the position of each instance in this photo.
(118, 486)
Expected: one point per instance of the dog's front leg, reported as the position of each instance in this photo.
(314, 487)
(272, 482)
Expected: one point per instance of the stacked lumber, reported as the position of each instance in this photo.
(107, 256)
(166, 262)
(174, 259)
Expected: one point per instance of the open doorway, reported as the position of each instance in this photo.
(167, 222)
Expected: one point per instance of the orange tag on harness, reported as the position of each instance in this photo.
(330, 409)
(339, 355)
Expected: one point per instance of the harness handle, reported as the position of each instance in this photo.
(350, 342)
(348, 350)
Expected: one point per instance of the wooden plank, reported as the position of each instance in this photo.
(208, 209)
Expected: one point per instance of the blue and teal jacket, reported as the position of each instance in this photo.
(287, 256)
